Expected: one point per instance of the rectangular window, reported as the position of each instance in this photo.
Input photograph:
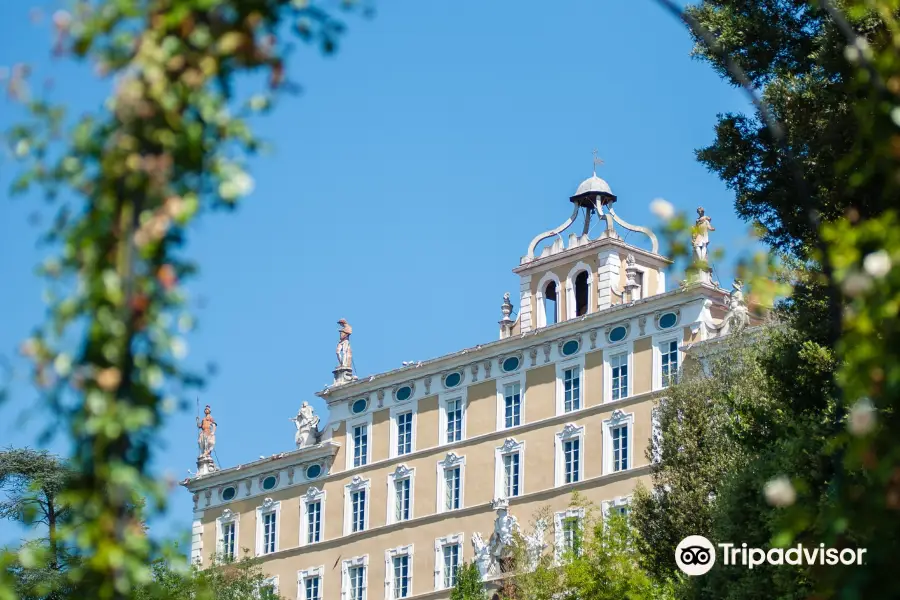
(401, 499)
(572, 389)
(571, 527)
(314, 522)
(620, 447)
(511, 474)
(404, 433)
(619, 367)
(228, 540)
(312, 588)
(401, 576)
(668, 352)
(358, 511)
(357, 576)
(572, 460)
(451, 563)
(454, 420)
(360, 445)
(269, 525)
(452, 488)
(512, 402)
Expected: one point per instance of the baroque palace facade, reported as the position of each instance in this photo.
(421, 468)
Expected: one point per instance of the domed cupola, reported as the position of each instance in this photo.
(592, 192)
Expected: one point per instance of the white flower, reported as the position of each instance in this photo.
(780, 492)
(862, 418)
(877, 264)
(857, 284)
(662, 208)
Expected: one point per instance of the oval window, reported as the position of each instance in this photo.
(313, 471)
(668, 320)
(618, 333)
(228, 494)
(269, 482)
(359, 406)
(452, 380)
(404, 393)
(511, 364)
(570, 348)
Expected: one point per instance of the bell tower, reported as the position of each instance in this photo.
(576, 276)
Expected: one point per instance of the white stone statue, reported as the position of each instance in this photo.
(505, 528)
(534, 544)
(738, 315)
(700, 235)
(307, 426)
(482, 555)
(343, 351)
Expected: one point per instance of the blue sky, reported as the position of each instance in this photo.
(406, 182)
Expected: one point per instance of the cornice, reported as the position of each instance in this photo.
(568, 253)
(544, 335)
(326, 449)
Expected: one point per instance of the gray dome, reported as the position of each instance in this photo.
(593, 185)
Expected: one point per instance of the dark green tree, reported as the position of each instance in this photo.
(32, 483)
(174, 579)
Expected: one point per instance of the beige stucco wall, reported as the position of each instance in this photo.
(541, 425)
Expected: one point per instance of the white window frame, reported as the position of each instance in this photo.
(396, 411)
(617, 419)
(608, 353)
(268, 506)
(346, 565)
(539, 298)
(228, 517)
(607, 505)
(571, 431)
(389, 556)
(400, 473)
(351, 425)
(302, 576)
(313, 494)
(559, 538)
(659, 339)
(443, 399)
(570, 289)
(273, 581)
(509, 447)
(561, 368)
(357, 484)
(451, 460)
(519, 378)
(439, 544)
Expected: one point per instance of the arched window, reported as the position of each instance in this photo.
(581, 294)
(551, 303)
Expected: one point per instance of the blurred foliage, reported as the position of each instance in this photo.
(241, 579)
(127, 182)
(601, 565)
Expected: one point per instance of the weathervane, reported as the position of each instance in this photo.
(597, 161)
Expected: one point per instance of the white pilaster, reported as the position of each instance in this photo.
(197, 538)
(607, 276)
(525, 312)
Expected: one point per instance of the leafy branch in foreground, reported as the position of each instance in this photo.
(127, 181)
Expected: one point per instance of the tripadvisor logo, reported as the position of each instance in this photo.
(696, 555)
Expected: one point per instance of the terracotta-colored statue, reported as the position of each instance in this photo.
(700, 234)
(344, 353)
(207, 438)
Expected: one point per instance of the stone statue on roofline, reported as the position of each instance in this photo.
(343, 373)
(206, 441)
(307, 426)
(700, 235)
(344, 353)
